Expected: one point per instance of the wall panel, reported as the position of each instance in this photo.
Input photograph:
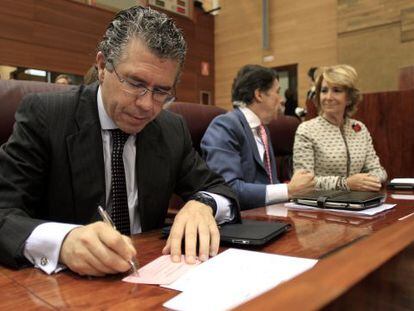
(301, 32)
(61, 35)
(376, 37)
(388, 116)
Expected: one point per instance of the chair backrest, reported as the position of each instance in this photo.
(282, 132)
(197, 117)
(11, 94)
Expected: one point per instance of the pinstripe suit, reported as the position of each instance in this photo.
(52, 168)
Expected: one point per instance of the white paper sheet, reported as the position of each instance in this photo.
(366, 212)
(232, 278)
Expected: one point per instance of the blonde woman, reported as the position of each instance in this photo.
(336, 148)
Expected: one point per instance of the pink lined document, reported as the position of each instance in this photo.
(161, 271)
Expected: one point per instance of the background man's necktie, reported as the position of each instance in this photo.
(263, 136)
(120, 212)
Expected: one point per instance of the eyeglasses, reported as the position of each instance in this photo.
(138, 89)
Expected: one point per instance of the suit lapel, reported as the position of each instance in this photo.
(85, 152)
(152, 171)
(250, 138)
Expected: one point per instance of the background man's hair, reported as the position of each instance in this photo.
(250, 78)
(311, 73)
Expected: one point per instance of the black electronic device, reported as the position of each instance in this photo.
(248, 232)
(341, 199)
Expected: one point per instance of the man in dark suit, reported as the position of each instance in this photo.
(65, 158)
(237, 144)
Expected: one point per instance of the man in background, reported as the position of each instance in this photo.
(63, 79)
(109, 144)
(237, 144)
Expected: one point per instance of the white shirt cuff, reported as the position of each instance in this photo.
(224, 211)
(42, 247)
(276, 193)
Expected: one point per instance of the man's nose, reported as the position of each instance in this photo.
(145, 102)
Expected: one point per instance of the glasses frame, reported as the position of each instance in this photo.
(169, 97)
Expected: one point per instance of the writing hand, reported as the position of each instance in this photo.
(96, 249)
(194, 220)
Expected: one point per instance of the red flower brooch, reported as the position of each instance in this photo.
(356, 127)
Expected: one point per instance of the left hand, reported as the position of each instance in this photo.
(194, 221)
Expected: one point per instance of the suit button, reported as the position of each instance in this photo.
(44, 261)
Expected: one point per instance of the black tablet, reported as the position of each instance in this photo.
(341, 199)
(249, 232)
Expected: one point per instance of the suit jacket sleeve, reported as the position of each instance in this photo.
(22, 174)
(224, 154)
(194, 175)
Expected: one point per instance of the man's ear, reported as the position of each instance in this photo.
(100, 64)
(258, 96)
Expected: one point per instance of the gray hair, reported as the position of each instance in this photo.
(155, 29)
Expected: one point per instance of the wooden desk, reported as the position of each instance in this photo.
(360, 260)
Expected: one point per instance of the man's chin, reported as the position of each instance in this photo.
(133, 128)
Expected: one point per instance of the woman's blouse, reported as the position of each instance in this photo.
(333, 153)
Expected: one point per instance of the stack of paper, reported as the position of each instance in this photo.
(232, 278)
(366, 212)
(223, 282)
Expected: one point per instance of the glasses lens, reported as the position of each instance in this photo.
(161, 97)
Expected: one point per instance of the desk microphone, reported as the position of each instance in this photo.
(300, 112)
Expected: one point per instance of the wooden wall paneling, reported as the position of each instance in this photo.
(51, 35)
(16, 53)
(297, 36)
(62, 35)
(237, 42)
(204, 33)
(20, 9)
(407, 132)
(72, 15)
(17, 29)
(47, 35)
(407, 24)
(186, 89)
(406, 78)
(388, 116)
(199, 34)
(374, 37)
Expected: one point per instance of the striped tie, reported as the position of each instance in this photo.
(263, 137)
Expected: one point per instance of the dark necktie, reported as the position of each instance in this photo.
(264, 138)
(120, 212)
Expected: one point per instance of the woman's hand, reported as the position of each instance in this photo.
(363, 182)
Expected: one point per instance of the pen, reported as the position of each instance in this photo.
(107, 219)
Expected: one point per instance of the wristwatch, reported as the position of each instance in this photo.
(205, 199)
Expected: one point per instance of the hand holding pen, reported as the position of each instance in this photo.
(96, 250)
(107, 219)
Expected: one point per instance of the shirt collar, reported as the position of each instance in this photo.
(106, 121)
(252, 119)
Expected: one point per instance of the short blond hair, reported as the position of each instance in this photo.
(344, 76)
